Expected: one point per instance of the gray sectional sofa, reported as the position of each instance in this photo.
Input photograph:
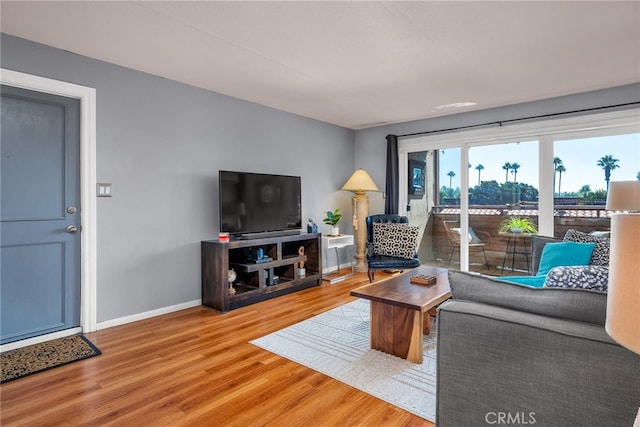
(517, 355)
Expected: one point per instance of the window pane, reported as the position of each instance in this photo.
(439, 248)
(449, 176)
(503, 188)
(582, 169)
(420, 198)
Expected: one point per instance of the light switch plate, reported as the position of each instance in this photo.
(104, 189)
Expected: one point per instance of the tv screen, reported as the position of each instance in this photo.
(256, 202)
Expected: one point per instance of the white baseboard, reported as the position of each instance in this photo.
(148, 314)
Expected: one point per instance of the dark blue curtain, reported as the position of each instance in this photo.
(391, 187)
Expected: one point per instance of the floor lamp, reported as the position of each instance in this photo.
(359, 183)
(623, 295)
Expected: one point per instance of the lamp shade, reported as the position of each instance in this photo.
(623, 295)
(624, 196)
(360, 182)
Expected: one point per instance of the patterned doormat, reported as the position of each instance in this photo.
(28, 360)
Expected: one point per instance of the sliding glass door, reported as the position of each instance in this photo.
(497, 187)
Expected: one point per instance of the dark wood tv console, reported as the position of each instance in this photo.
(276, 275)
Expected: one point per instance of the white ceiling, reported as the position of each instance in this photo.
(354, 64)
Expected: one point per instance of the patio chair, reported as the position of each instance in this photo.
(475, 243)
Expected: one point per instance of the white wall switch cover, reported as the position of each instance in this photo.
(104, 190)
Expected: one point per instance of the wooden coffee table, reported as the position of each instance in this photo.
(398, 309)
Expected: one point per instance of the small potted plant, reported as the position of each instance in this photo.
(333, 219)
(516, 224)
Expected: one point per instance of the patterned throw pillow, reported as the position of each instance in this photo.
(395, 239)
(592, 277)
(600, 254)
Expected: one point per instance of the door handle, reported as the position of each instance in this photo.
(72, 229)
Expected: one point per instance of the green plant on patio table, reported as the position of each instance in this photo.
(333, 218)
(519, 224)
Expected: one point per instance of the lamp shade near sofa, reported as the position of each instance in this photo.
(623, 301)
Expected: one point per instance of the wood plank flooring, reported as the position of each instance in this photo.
(195, 367)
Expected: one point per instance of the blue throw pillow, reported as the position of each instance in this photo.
(564, 254)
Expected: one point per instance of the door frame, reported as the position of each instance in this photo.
(88, 257)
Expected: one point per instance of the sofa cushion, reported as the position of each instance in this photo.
(594, 277)
(566, 303)
(537, 245)
(396, 240)
(600, 255)
(564, 254)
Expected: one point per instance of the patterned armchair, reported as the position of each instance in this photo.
(395, 245)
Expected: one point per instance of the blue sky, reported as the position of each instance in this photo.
(579, 157)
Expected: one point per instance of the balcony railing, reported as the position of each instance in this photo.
(488, 219)
(528, 209)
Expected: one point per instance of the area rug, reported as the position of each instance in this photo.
(28, 360)
(336, 343)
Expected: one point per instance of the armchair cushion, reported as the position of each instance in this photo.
(395, 240)
(391, 263)
(473, 237)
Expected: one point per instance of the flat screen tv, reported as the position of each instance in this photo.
(259, 203)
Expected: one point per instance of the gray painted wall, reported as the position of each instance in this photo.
(161, 144)
(371, 143)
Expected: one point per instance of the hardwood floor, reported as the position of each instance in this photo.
(196, 367)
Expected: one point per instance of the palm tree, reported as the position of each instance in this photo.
(586, 193)
(451, 174)
(480, 167)
(557, 161)
(638, 176)
(608, 163)
(584, 190)
(514, 171)
(560, 168)
(507, 168)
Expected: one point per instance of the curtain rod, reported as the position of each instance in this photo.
(499, 123)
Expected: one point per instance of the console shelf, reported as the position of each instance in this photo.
(258, 281)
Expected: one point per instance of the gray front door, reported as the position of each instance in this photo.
(40, 214)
